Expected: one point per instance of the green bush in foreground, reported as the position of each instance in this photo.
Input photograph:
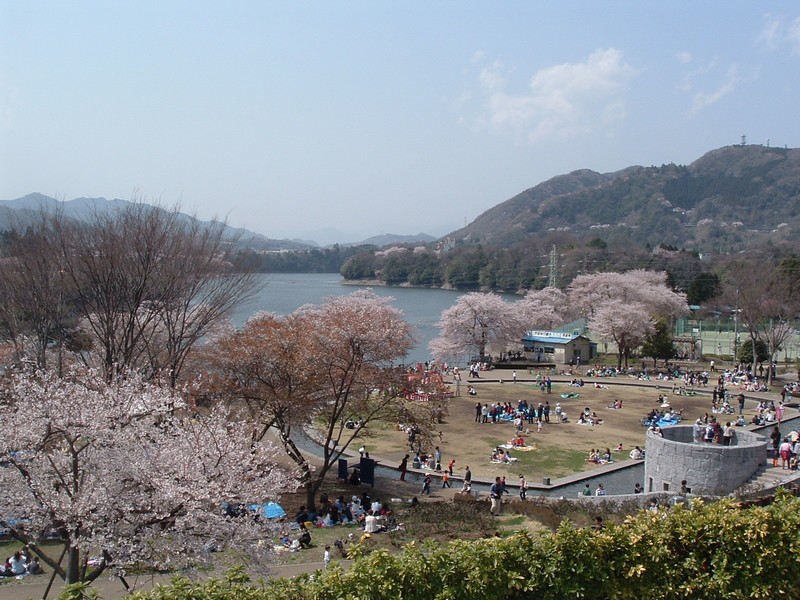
(715, 550)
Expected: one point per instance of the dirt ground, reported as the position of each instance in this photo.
(471, 443)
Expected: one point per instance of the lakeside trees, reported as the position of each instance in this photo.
(478, 322)
(620, 307)
(135, 288)
(330, 366)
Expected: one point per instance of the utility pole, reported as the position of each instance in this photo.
(551, 282)
(736, 328)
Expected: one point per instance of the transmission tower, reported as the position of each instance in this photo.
(551, 282)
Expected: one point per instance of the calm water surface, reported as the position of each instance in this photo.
(284, 293)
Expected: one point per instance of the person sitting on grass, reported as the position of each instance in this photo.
(17, 564)
(34, 568)
(636, 453)
(373, 523)
(305, 538)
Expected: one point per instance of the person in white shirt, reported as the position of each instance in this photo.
(601, 491)
(372, 523)
(17, 564)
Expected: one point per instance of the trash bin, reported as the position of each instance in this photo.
(546, 481)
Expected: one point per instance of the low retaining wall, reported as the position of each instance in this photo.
(709, 469)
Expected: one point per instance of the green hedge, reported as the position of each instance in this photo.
(714, 550)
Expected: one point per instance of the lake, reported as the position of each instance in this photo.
(284, 293)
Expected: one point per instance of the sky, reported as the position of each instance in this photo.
(336, 121)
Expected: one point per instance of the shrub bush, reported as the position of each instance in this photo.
(698, 550)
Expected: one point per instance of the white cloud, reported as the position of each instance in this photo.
(561, 101)
(684, 57)
(779, 32)
(700, 100)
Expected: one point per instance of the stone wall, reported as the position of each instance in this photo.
(709, 469)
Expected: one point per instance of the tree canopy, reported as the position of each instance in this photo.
(333, 365)
(122, 471)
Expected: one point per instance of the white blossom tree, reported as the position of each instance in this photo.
(544, 309)
(121, 472)
(606, 299)
(625, 325)
(478, 322)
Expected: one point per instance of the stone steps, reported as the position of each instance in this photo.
(768, 476)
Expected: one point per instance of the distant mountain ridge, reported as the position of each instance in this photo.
(84, 207)
(721, 201)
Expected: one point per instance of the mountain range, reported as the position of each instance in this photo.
(12, 210)
(722, 202)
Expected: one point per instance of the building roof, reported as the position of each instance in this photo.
(551, 337)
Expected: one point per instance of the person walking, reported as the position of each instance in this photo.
(495, 494)
(445, 480)
(403, 468)
(478, 414)
(467, 487)
(450, 466)
(523, 487)
(426, 486)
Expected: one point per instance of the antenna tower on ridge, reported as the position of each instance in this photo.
(551, 282)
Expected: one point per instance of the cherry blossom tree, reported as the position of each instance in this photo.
(328, 367)
(122, 472)
(544, 309)
(625, 325)
(644, 296)
(478, 322)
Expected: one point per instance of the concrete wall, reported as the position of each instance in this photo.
(711, 469)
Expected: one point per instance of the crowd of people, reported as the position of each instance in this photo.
(21, 563)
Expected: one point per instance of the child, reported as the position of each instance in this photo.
(327, 556)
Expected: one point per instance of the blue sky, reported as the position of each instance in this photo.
(339, 120)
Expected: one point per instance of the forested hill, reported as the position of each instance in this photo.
(720, 202)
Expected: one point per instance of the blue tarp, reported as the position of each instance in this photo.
(270, 510)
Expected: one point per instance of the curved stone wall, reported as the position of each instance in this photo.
(709, 469)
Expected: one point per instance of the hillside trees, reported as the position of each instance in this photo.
(478, 322)
(330, 365)
(121, 471)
